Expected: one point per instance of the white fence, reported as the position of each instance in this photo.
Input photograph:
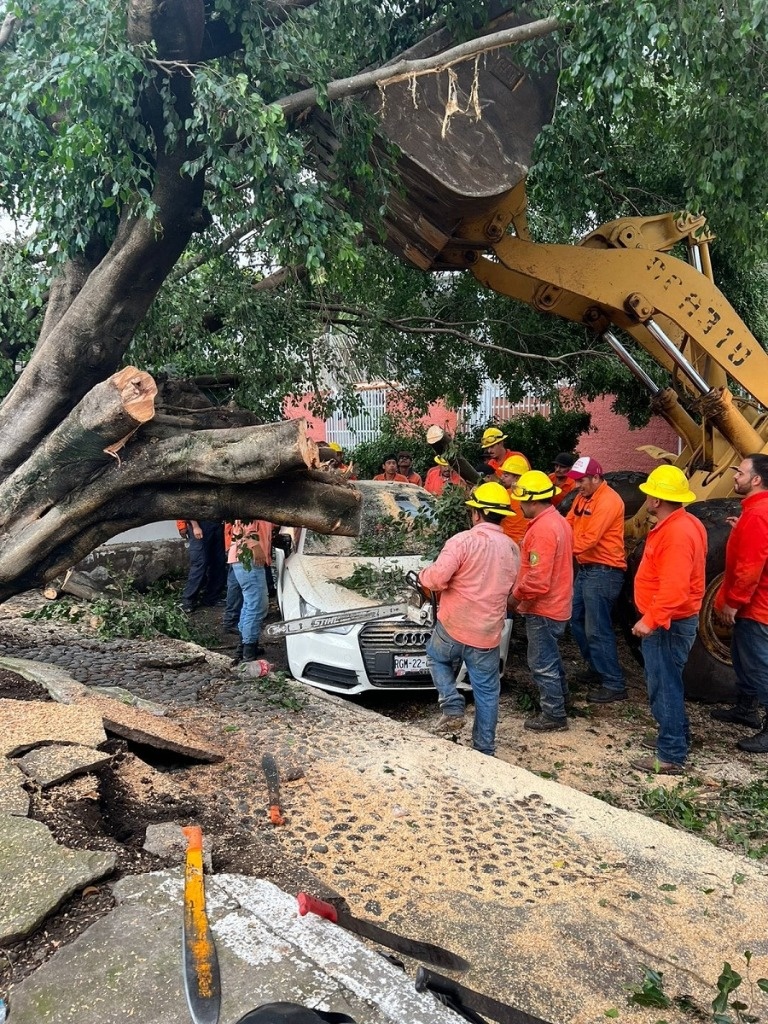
(366, 426)
(493, 405)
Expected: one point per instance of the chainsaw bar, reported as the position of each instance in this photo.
(351, 617)
(269, 766)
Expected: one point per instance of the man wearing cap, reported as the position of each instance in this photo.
(597, 520)
(669, 589)
(405, 467)
(742, 602)
(543, 593)
(563, 462)
(474, 575)
(494, 451)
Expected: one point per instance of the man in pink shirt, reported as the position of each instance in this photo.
(544, 593)
(474, 575)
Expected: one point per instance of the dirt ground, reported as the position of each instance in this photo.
(111, 812)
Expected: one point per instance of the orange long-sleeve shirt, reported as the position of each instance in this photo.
(598, 528)
(745, 586)
(545, 583)
(515, 526)
(670, 579)
(496, 464)
(566, 486)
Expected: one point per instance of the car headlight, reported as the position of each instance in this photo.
(306, 610)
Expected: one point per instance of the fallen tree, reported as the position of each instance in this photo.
(146, 123)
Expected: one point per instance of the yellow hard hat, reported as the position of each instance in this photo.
(493, 497)
(441, 461)
(535, 486)
(668, 483)
(334, 447)
(516, 464)
(492, 436)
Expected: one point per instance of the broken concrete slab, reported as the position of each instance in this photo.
(127, 966)
(25, 724)
(14, 799)
(167, 840)
(139, 726)
(56, 763)
(37, 875)
(59, 684)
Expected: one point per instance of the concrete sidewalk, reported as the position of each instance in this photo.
(557, 900)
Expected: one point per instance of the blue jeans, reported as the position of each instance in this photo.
(207, 568)
(595, 591)
(545, 663)
(445, 657)
(749, 650)
(665, 652)
(253, 584)
(234, 599)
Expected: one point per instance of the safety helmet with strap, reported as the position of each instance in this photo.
(535, 486)
(492, 497)
(669, 484)
(491, 436)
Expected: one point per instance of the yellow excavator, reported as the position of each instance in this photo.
(465, 139)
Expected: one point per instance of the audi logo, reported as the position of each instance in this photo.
(412, 639)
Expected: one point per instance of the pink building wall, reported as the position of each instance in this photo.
(614, 444)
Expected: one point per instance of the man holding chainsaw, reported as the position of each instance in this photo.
(474, 575)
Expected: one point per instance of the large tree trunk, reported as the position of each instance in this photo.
(102, 471)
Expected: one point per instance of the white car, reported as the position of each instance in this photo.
(388, 654)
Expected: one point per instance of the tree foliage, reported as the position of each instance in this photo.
(662, 106)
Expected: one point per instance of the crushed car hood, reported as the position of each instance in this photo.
(312, 576)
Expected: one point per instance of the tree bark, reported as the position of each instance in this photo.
(102, 471)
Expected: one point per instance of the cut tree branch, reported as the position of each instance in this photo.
(403, 69)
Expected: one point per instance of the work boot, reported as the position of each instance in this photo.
(251, 652)
(238, 655)
(744, 712)
(605, 695)
(757, 744)
(545, 723)
(448, 725)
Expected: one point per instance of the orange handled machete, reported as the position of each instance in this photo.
(202, 981)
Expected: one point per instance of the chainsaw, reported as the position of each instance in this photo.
(419, 609)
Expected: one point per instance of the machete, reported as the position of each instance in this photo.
(269, 766)
(469, 1003)
(202, 981)
(419, 950)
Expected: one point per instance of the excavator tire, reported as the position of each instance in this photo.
(709, 675)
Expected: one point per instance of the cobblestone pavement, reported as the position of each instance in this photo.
(531, 881)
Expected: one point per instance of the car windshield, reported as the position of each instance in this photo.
(395, 521)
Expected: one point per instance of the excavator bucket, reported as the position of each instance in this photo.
(465, 138)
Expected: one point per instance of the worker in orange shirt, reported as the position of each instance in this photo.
(669, 590)
(563, 463)
(405, 466)
(389, 471)
(439, 476)
(511, 470)
(495, 451)
(597, 520)
(542, 594)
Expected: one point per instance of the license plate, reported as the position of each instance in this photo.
(405, 664)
